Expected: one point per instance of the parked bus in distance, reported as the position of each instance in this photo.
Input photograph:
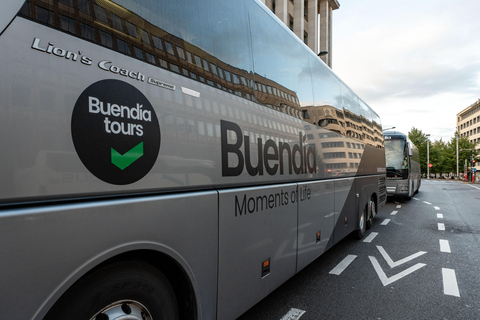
(170, 159)
(403, 165)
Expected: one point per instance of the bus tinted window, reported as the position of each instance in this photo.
(281, 63)
(188, 41)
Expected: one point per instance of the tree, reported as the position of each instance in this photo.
(419, 139)
(443, 155)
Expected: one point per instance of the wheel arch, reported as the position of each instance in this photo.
(174, 272)
(174, 268)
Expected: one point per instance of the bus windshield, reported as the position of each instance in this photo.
(395, 154)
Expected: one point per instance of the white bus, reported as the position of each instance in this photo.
(403, 165)
(170, 159)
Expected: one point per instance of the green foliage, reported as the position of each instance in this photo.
(443, 155)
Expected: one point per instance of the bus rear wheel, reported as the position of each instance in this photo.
(124, 290)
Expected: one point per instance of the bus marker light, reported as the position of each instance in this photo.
(265, 268)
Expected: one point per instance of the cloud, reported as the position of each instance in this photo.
(416, 63)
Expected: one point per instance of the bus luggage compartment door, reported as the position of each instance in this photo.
(316, 219)
(257, 244)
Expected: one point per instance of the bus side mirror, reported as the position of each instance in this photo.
(410, 152)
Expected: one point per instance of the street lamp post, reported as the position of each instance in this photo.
(428, 156)
(388, 129)
(456, 137)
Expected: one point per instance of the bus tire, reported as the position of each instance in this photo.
(362, 223)
(124, 289)
(373, 213)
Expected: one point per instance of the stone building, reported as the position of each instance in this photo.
(310, 20)
(468, 125)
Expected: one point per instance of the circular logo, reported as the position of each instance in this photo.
(115, 132)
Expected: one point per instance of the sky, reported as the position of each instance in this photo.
(415, 62)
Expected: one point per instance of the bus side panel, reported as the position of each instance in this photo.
(345, 208)
(53, 246)
(316, 219)
(256, 225)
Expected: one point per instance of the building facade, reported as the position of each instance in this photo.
(468, 125)
(310, 20)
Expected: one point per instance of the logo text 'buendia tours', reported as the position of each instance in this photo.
(115, 132)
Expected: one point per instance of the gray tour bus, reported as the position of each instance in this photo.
(403, 165)
(170, 159)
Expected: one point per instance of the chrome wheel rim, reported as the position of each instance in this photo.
(362, 220)
(123, 310)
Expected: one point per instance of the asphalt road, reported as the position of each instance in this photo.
(420, 260)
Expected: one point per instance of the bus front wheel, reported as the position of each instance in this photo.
(372, 214)
(124, 290)
(362, 223)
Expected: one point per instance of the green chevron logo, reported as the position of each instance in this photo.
(122, 161)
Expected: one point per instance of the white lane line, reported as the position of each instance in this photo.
(385, 222)
(450, 286)
(474, 186)
(444, 246)
(436, 208)
(415, 199)
(399, 206)
(343, 265)
(426, 202)
(439, 215)
(441, 226)
(370, 237)
(293, 314)
(393, 213)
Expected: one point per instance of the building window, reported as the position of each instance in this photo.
(67, 24)
(290, 18)
(123, 47)
(305, 37)
(157, 42)
(44, 15)
(273, 6)
(145, 37)
(106, 39)
(88, 32)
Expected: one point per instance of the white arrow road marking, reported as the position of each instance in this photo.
(343, 265)
(386, 280)
(393, 264)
